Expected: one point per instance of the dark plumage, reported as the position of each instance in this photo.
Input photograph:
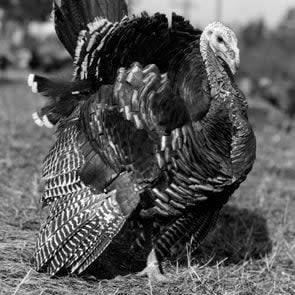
(156, 128)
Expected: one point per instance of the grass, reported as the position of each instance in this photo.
(251, 251)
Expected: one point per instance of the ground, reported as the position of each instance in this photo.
(251, 251)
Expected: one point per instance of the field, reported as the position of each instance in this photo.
(251, 251)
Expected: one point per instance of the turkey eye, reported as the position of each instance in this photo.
(219, 39)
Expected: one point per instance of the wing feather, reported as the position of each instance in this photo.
(82, 220)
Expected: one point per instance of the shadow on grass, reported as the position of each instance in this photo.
(239, 235)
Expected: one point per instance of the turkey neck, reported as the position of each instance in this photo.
(228, 114)
(215, 71)
(224, 92)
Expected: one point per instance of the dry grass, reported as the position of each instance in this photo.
(252, 250)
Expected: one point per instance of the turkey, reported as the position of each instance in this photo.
(152, 127)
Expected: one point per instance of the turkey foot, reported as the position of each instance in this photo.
(152, 270)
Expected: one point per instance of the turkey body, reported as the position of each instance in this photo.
(154, 140)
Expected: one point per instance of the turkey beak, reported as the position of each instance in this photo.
(233, 65)
(233, 60)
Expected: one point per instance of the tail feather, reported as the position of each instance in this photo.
(72, 16)
(57, 88)
(82, 26)
(62, 98)
(65, 31)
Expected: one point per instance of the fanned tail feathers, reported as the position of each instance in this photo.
(72, 16)
(83, 27)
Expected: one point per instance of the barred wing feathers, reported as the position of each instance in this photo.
(82, 220)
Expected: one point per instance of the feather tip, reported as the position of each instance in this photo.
(31, 79)
(37, 120)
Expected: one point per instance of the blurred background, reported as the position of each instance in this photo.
(266, 31)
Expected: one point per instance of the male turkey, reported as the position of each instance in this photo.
(152, 126)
